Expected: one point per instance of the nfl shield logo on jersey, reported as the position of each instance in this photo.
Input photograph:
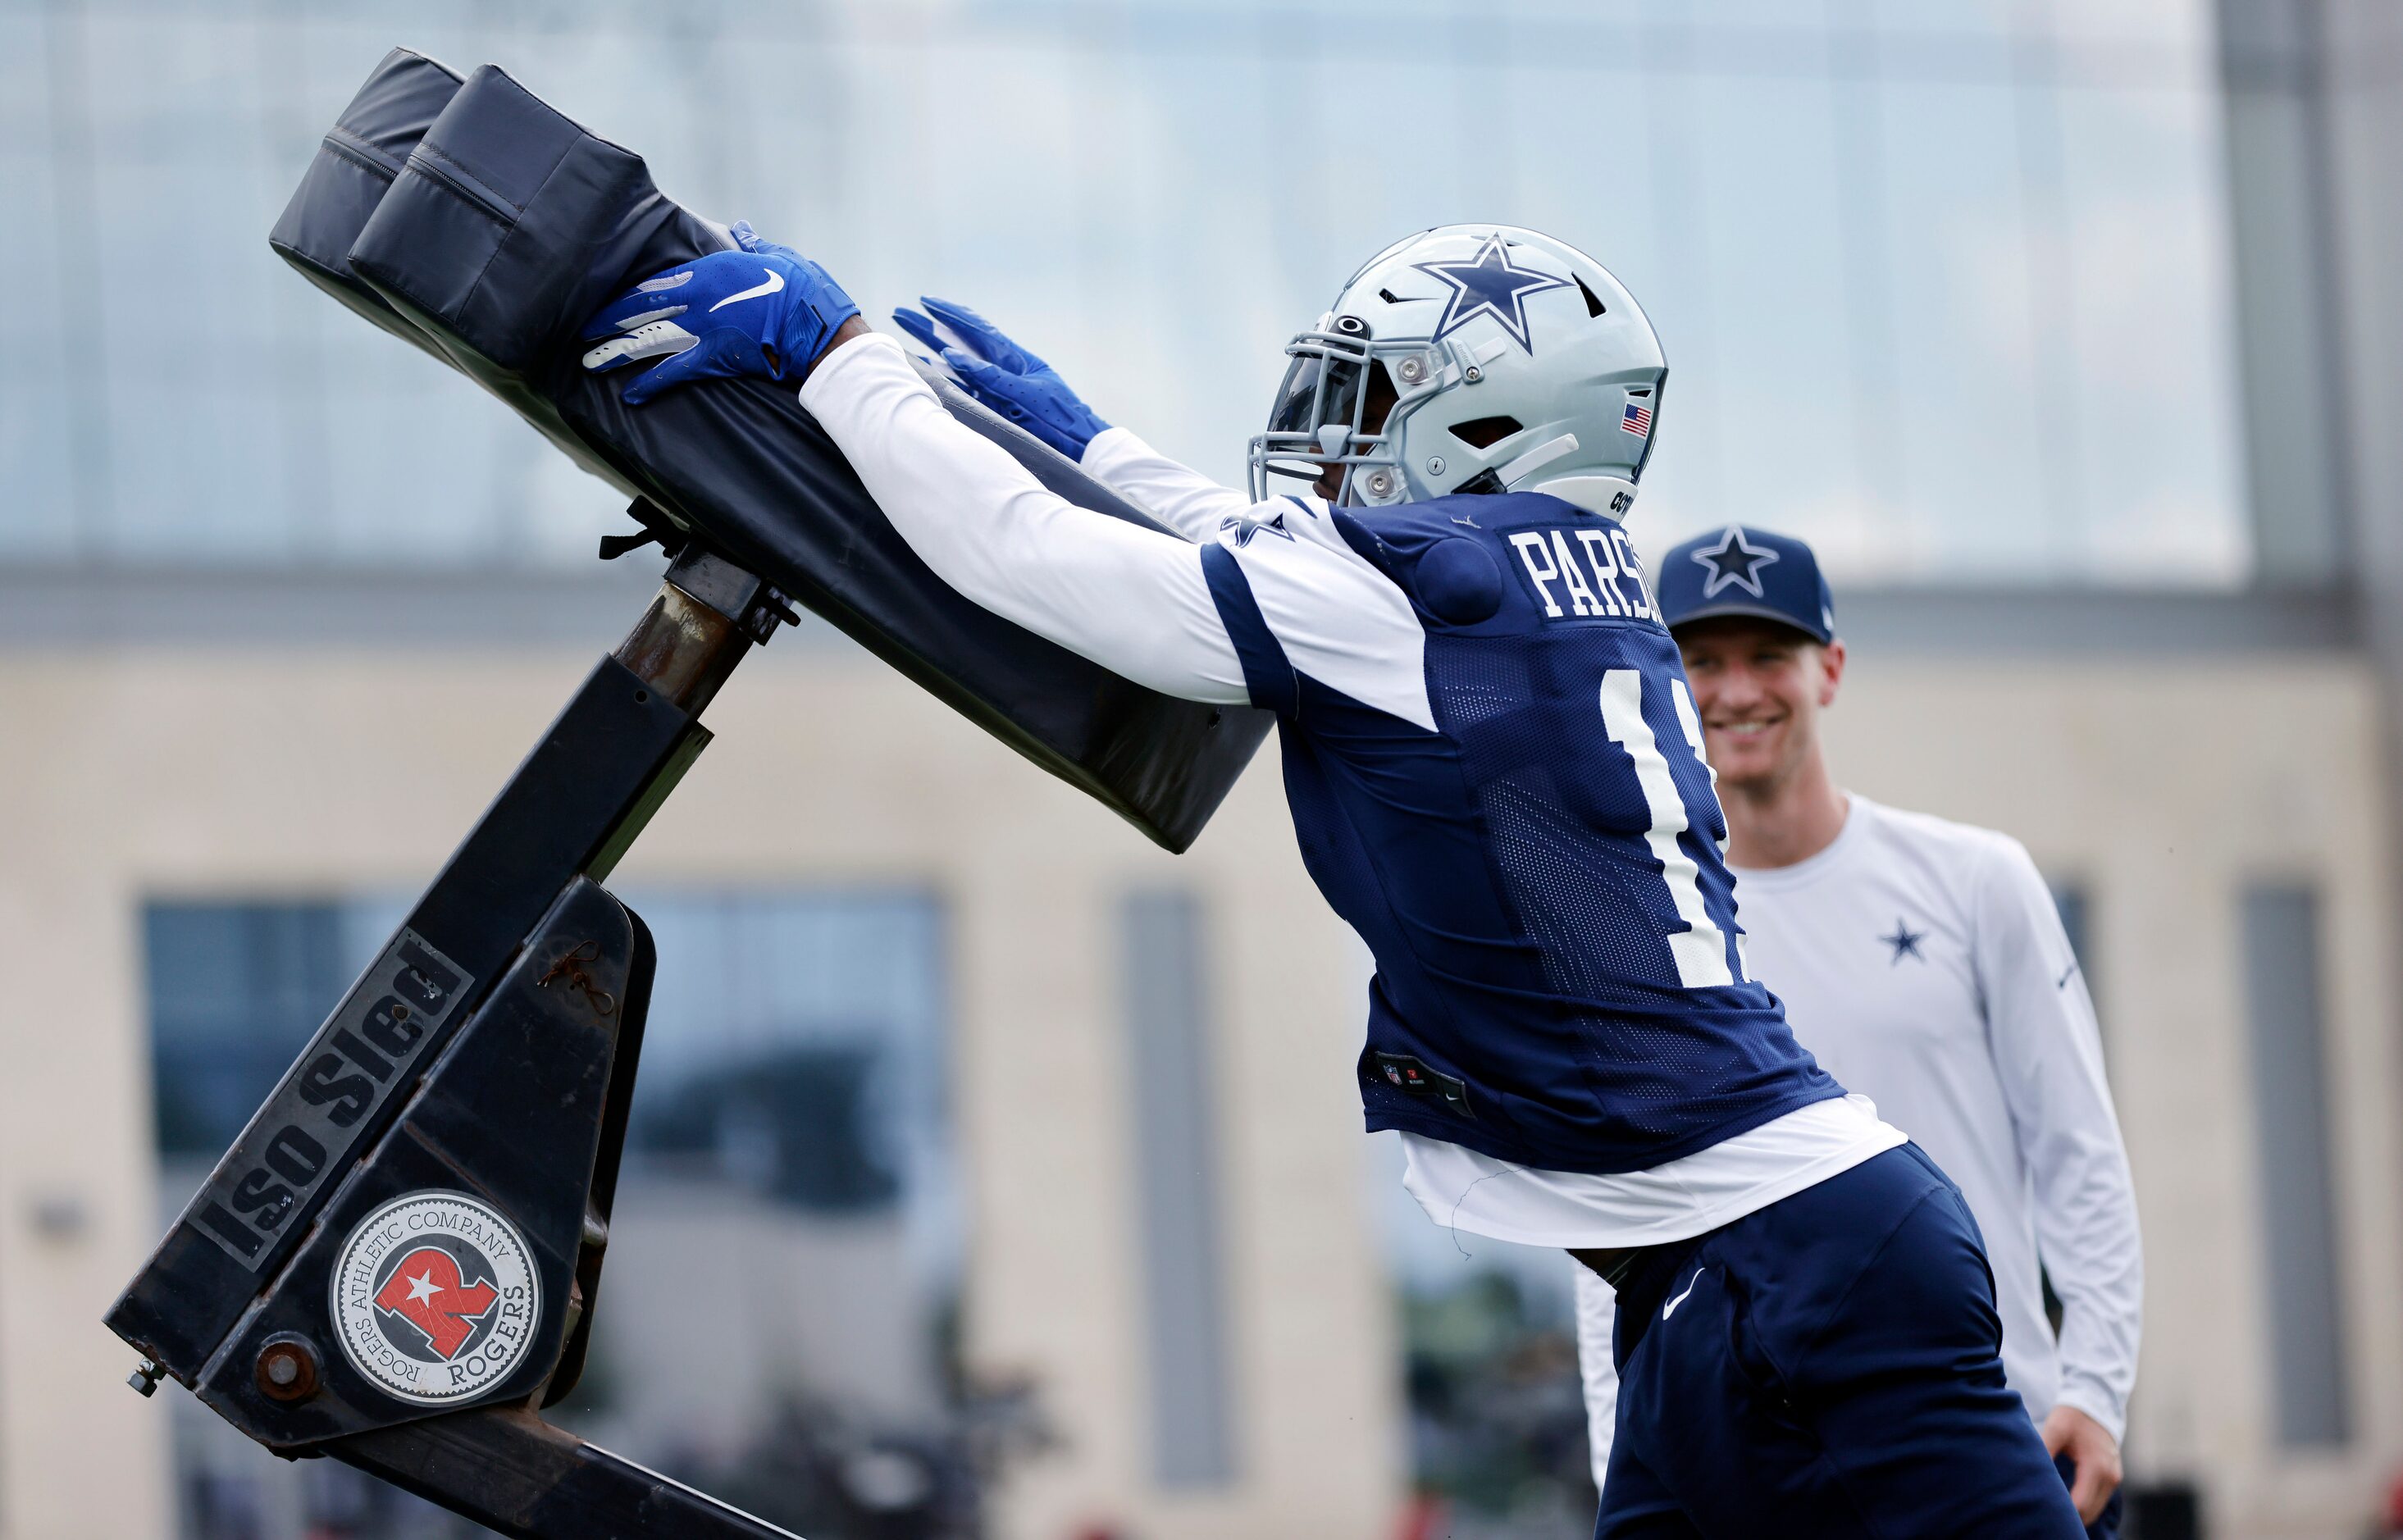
(435, 1297)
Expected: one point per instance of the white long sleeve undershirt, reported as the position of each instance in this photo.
(1177, 495)
(1130, 599)
(1137, 601)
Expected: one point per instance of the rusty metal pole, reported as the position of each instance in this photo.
(706, 616)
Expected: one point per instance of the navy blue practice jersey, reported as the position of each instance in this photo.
(1517, 817)
(1493, 764)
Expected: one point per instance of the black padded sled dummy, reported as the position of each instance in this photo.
(473, 220)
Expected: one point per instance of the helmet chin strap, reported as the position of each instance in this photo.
(1543, 454)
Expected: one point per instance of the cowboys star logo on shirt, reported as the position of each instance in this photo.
(435, 1297)
(1905, 941)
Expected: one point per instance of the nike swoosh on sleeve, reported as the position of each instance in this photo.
(775, 281)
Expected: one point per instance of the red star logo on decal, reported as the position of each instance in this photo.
(428, 1292)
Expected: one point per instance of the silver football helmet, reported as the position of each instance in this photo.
(1505, 361)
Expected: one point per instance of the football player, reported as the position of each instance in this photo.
(1495, 769)
(1926, 965)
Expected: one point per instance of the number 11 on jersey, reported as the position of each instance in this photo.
(1701, 949)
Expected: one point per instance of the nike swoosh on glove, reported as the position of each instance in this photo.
(1004, 376)
(763, 310)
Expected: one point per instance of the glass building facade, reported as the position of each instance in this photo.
(1943, 288)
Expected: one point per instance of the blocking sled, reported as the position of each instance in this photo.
(479, 223)
(397, 1264)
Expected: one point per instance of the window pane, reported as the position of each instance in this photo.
(1176, 1158)
(1489, 1364)
(235, 990)
(2282, 996)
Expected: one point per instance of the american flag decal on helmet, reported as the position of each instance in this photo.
(1636, 420)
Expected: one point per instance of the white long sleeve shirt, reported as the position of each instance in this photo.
(1923, 963)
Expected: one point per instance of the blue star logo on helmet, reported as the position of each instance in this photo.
(1733, 563)
(1488, 285)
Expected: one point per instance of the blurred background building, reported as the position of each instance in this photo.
(992, 1171)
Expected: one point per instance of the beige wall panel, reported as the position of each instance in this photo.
(80, 1454)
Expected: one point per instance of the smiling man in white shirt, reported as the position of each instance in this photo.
(1923, 963)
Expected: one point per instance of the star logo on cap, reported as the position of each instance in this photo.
(1732, 564)
(1488, 285)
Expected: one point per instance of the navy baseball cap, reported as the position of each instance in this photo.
(1743, 571)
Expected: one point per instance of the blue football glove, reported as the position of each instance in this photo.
(1005, 377)
(764, 310)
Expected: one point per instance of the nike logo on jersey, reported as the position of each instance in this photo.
(1594, 567)
(2066, 975)
(1671, 1308)
(775, 282)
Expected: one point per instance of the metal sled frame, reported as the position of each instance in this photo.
(489, 1051)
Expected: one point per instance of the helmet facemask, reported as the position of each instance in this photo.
(1337, 410)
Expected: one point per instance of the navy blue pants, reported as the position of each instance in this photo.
(1828, 1365)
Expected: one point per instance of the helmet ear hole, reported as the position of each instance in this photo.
(1382, 396)
(1485, 432)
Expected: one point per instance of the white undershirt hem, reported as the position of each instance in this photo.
(1462, 1189)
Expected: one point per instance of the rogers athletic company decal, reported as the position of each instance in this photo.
(311, 1125)
(435, 1297)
